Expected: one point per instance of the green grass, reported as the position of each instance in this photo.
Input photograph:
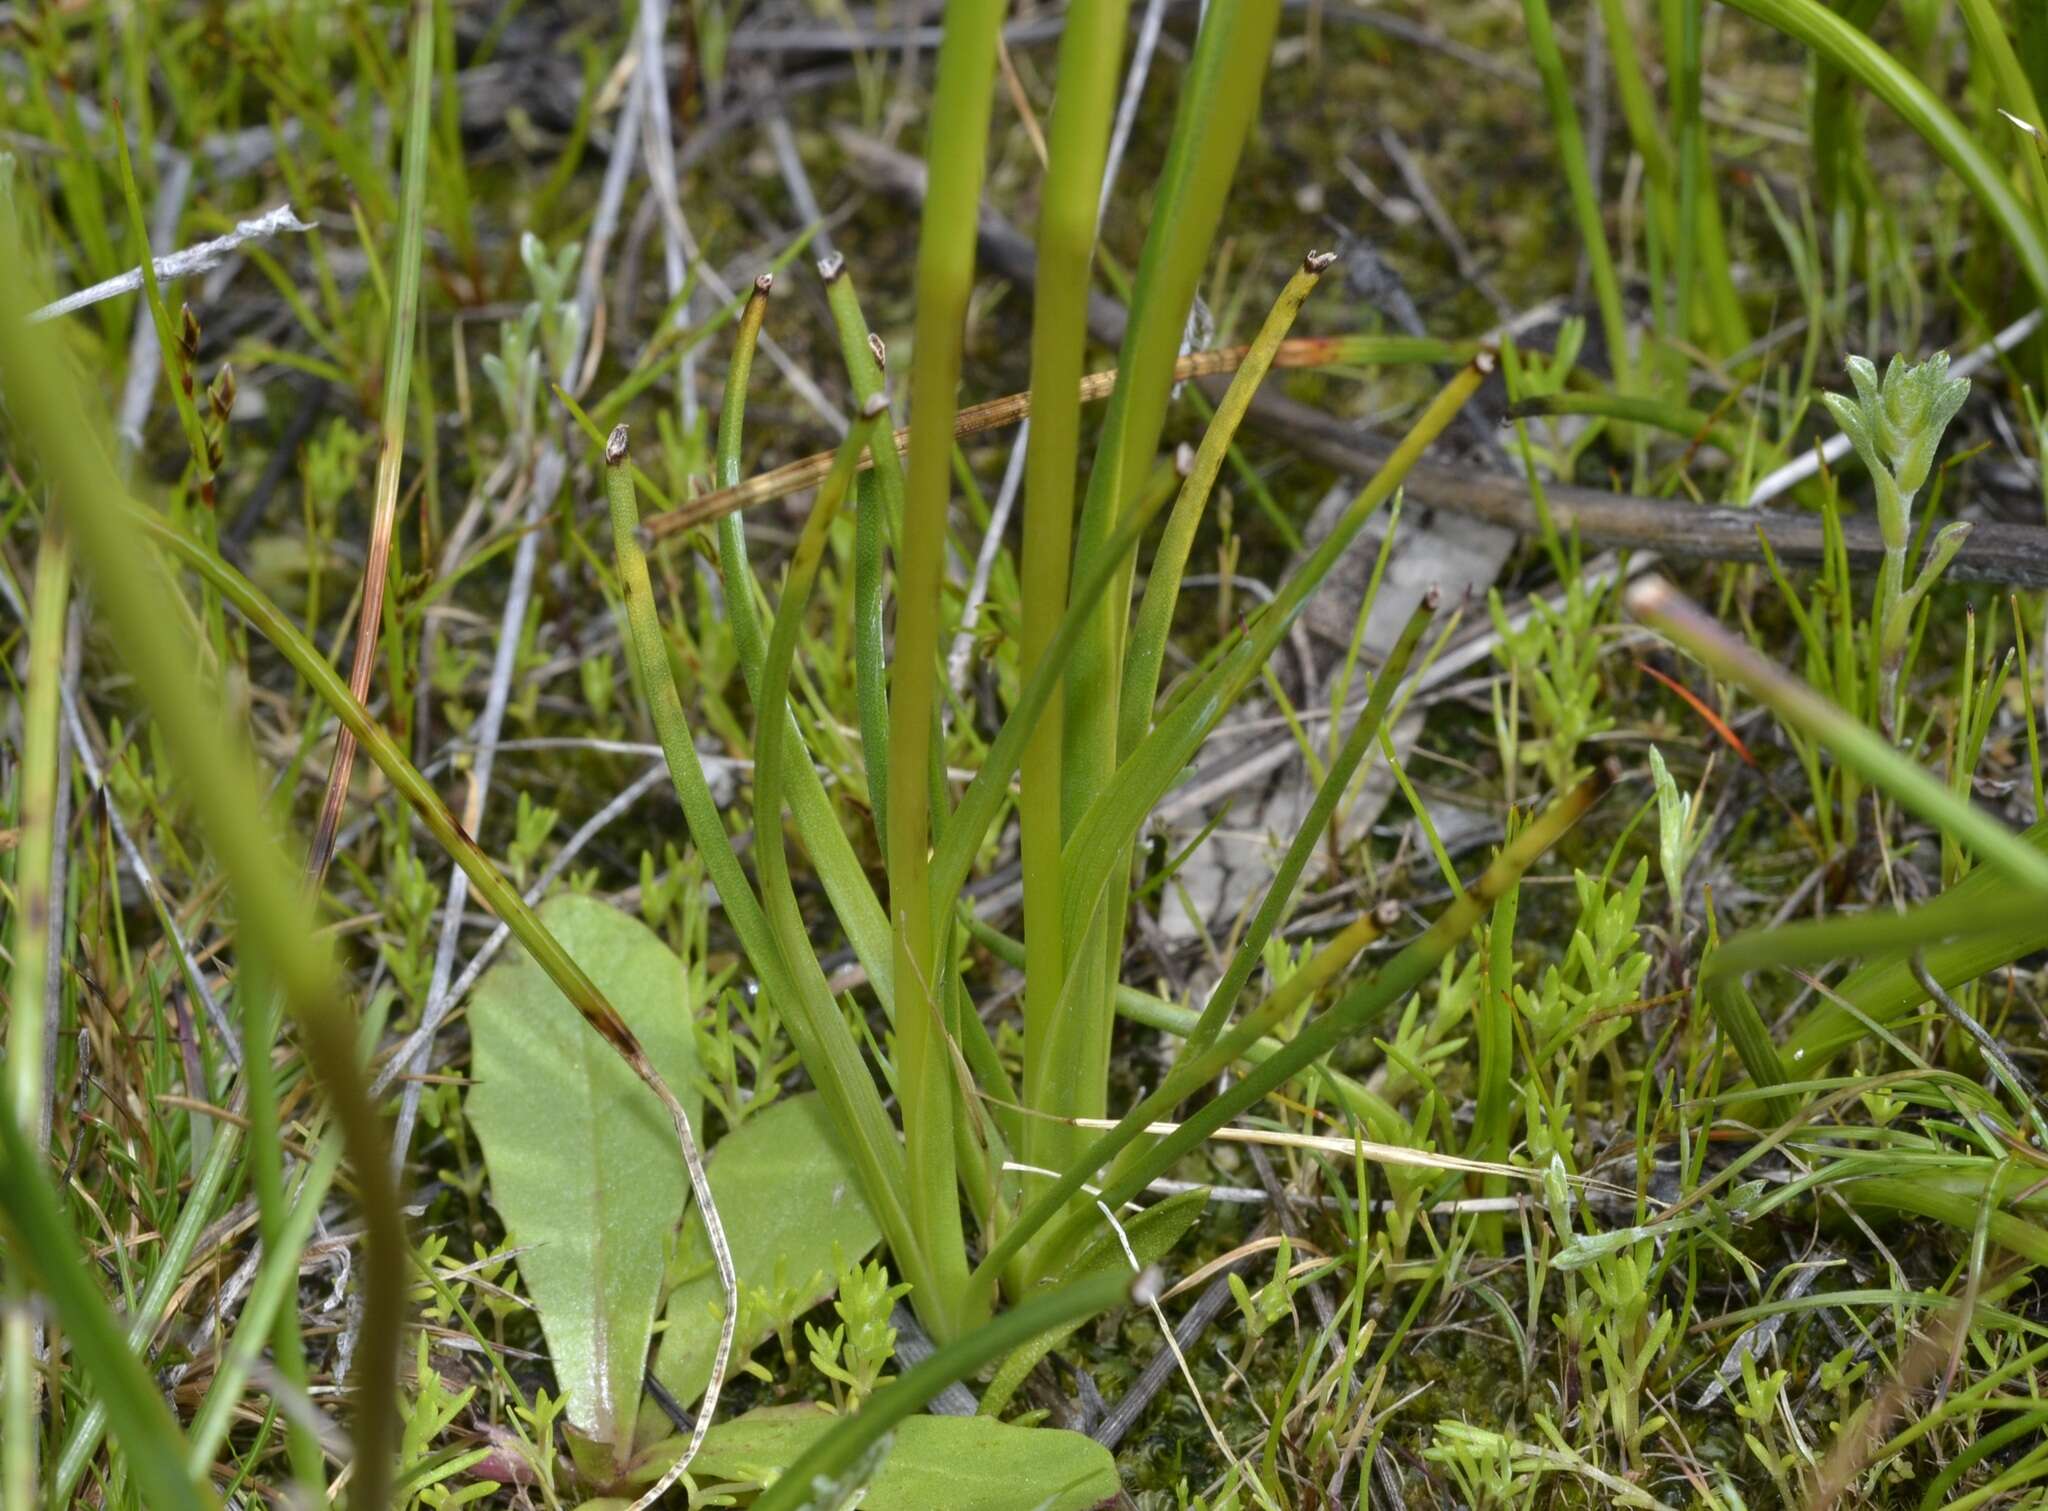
(1664, 975)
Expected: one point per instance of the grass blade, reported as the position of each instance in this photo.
(273, 910)
(43, 1242)
(398, 349)
(30, 981)
(1851, 50)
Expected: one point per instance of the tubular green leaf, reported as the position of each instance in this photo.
(1091, 50)
(925, 1080)
(797, 986)
(1162, 583)
(832, 857)
(1094, 853)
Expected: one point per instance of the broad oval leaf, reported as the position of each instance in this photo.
(793, 1214)
(961, 1463)
(583, 1160)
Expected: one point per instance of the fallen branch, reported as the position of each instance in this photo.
(2013, 555)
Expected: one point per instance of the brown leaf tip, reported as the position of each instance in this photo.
(764, 283)
(1647, 596)
(615, 447)
(1148, 1285)
(1316, 262)
(1386, 913)
(829, 268)
(1432, 596)
(880, 350)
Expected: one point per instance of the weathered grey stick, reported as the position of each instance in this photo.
(179, 264)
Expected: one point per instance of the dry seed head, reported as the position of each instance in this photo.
(1315, 262)
(829, 268)
(615, 447)
(221, 395)
(188, 330)
(880, 350)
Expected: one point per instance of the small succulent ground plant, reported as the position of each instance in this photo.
(1896, 426)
